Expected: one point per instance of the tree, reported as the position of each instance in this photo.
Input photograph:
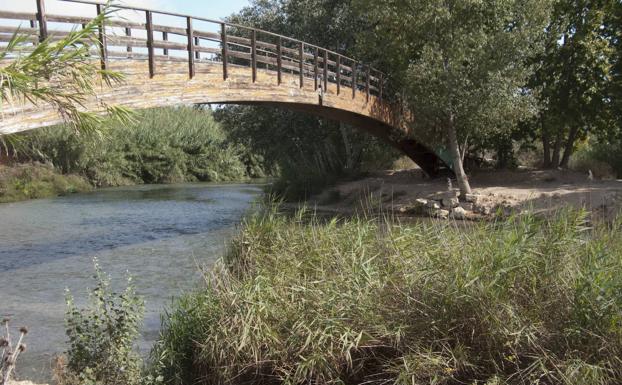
(572, 76)
(459, 64)
(59, 73)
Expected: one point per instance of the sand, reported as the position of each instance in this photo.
(541, 191)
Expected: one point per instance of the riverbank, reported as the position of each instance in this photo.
(496, 192)
(161, 146)
(35, 180)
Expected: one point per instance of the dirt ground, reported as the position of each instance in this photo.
(542, 191)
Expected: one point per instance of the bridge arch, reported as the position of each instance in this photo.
(172, 65)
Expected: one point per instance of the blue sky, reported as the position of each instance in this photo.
(211, 9)
(202, 8)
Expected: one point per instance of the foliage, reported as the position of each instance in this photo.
(301, 300)
(59, 73)
(460, 65)
(33, 181)
(573, 76)
(306, 153)
(603, 159)
(161, 146)
(102, 336)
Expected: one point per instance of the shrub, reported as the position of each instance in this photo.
(166, 145)
(32, 181)
(604, 159)
(102, 336)
(296, 301)
(585, 161)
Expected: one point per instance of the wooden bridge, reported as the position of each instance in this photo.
(173, 59)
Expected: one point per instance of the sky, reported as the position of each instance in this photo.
(208, 9)
(211, 9)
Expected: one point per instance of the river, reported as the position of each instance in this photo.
(159, 234)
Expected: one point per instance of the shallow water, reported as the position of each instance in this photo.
(160, 234)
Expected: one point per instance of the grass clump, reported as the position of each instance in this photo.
(298, 301)
(33, 180)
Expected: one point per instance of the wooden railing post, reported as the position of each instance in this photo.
(316, 66)
(302, 64)
(102, 39)
(355, 80)
(338, 74)
(41, 19)
(254, 55)
(225, 51)
(197, 43)
(165, 38)
(128, 33)
(149, 18)
(381, 85)
(367, 82)
(190, 32)
(325, 70)
(279, 62)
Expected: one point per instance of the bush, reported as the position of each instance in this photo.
(102, 336)
(296, 301)
(604, 159)
(166, 145)
(32, 181)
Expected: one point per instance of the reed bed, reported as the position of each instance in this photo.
(299, 300)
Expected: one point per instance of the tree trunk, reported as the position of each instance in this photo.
(572, 137)
(454, 150)
(546, 145)
(348, 148)
(556, 150)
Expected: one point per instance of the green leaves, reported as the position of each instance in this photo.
(102, 335)
(63, 74)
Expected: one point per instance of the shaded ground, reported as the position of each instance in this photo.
(499, 191)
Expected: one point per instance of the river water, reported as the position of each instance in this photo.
(159, 234)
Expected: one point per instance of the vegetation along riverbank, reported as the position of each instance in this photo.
(170, 145)
(355, 301)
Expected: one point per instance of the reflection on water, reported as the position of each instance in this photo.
(157, 233)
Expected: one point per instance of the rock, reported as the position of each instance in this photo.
(419, 207)
(458, 213)
(451, 202)
(484, 210)
(433, 205)
(468, 206)
(444, 195)
(421, 201)
(472, 198)
(442, 214)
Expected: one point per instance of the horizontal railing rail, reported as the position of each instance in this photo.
(230, 44)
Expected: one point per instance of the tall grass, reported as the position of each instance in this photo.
(299, 301)
(162, 146)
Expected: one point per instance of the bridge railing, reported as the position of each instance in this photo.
(216, 41)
